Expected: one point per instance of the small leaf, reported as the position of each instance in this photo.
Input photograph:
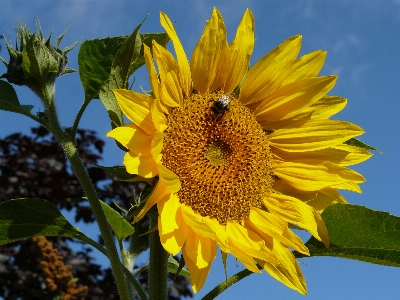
(95, 60)
(120, 226)
(359, 233)
(357, 143)
(119, 171)
(174, 267)
(9, 100)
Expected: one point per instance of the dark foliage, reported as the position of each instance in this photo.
(35, 167)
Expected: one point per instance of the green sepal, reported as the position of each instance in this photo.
(177, 268)
(359, 233)
(139, 241)
(37, 61)
(357, 143)
(9, 100)
(121, 227)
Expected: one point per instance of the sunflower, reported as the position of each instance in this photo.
(241, 155)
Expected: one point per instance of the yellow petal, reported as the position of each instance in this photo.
(201, 250)
(355, 155)
(326, 107)
(197, 276)
(169, 179)
(137, 108)
(132, 138)
(219, 233)
(151, 69)
(308, 176)
(248, 241)
(270, 71)
(184, 69)
(313, 135)
(342, 155)
(319, 200)
(246, 259)
(307, 66)
(144, 166)
(349, 186)
(326, 197)
(294, 211)
(167, 211)
(156, 145)
(165, 61)
(240, 51)
(288, 271)
(158, 117)
(275, 227)
(171, 92)
(196, 222)
(209, 56)
(159, 193)
(174, 240)
(292, 98)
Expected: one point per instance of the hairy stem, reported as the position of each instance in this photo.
(67, 143)
(158, 268)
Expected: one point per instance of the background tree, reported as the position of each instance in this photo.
(35, 167)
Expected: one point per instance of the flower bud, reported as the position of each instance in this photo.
(36, 63)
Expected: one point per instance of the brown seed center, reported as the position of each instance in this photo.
(222, 158)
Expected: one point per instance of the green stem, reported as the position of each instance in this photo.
(83, 177)
(127, 262)
(226, 284)
(67, 143)
(158, 268)
(78, 117)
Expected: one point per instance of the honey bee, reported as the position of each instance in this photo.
(221, 106)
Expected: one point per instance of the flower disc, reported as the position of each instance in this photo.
(222, 159)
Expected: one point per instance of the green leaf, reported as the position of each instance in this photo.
(359, 233)
(121, 227)
(357, 143)
(119, 171)
(37, 60)
(161, 39)
(9, 100)
(172, 266)
(122, 68)
(147, 39)
(29, 217)
(95, 60)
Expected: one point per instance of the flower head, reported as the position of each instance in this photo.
(240, 154)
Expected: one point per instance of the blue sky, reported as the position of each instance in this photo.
(363, 43)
